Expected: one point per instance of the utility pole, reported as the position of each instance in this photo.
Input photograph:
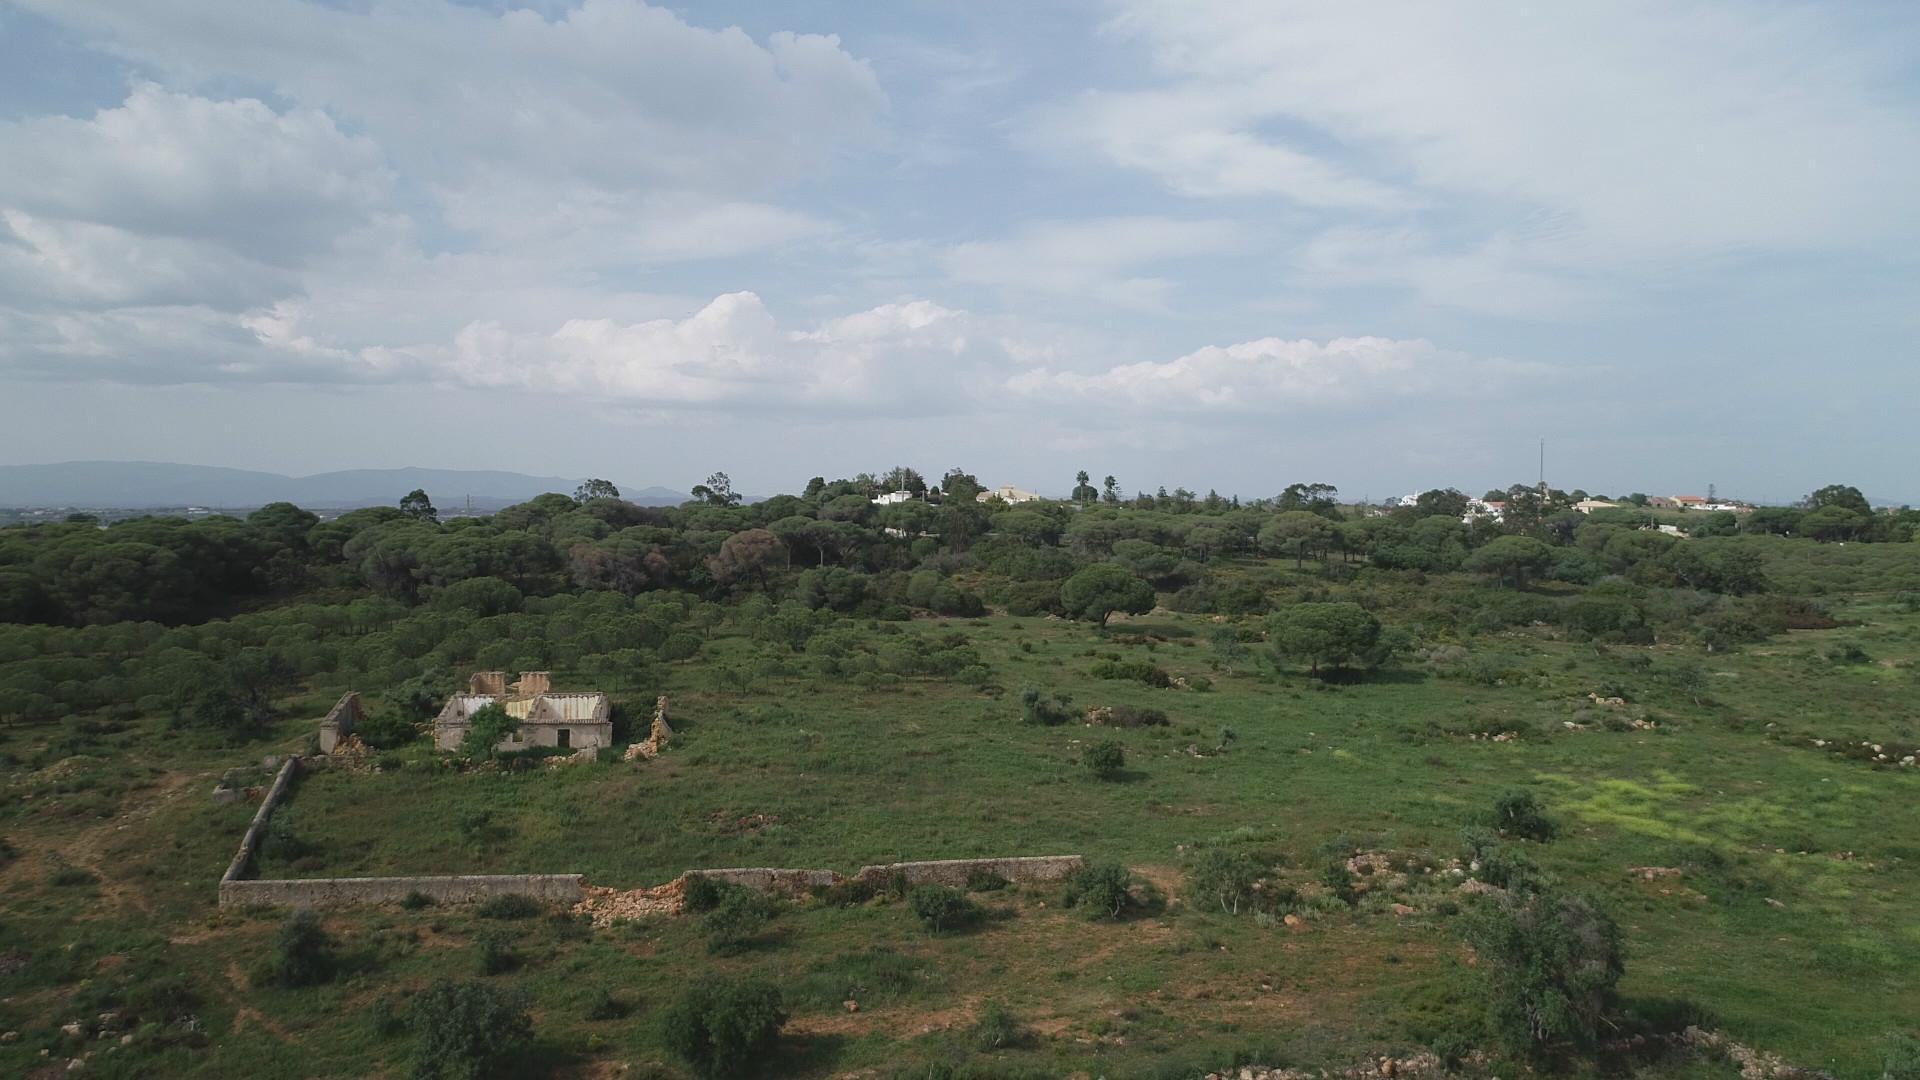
(1543, 466)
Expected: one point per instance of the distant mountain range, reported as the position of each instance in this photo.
(140, 484)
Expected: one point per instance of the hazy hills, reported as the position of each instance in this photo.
(135, 484)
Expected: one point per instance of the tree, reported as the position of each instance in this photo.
(595, 489)
(902, 478)
(302, 951)
(1298, 533)
(746, 555)
(1513, 559)
(717, 491)
(1844, 496)
(1551, 963)
(959, 486)
(488, 727)
(1083, 492)
(1322, 499)
(466, 1030)
(1098, 591)
(1337, 635)
(1110, 491)
(1833, 521)
(719, 1028)
(1105, 760)
(1449, 502)
(417, 506)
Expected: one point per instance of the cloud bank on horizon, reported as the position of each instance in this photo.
(1211, 243)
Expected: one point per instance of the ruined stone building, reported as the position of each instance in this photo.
(575, 720)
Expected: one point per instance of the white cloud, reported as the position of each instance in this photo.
(270, 187)
(615, 95)
(1092, 258)
(1658, 130)
(1272, 375)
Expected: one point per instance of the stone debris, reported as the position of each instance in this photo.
(1651, 872)
(1753, 1064)
(1418, 1066)
(658, 735)
(1610, 702)
(606, 906)
(351, 752)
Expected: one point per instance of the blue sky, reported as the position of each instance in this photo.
(1232, 245)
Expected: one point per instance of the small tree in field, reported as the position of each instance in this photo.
(1512, 559)
(1551, 963)
(1104, 760)
(1096, 592)
(1336, 635)
(466, 1029)
(490, 724)
(720, 1028)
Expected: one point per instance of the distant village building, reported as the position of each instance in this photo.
(892, 497)
(567, 720)
(1009, 494)
(1491, 509)
(1588, 506)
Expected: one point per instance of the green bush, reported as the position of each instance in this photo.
(985, 881)
(602, 1005)
(1037, 709)
(466, 1030)
(416, 900)
(1551, 963)
(1518, 813)
(1104, 760)
(494, 955)
(1338, 881)
(1132, 671)
(509, 906)
(1099, 889)
(736, 923)
(1225, 879)
(940, 908)
(996, 1029)
(721, 1028)
(302, 952)
(700, 893)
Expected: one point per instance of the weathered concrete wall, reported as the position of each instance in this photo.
(341, 720)
(1037, 869)
(766, 879)
(343, 892)
(251, 841)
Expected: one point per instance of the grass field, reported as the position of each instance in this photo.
(1793, 923)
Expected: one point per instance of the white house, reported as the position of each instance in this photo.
(1009, 494)
(1588, 506)
(892, 497)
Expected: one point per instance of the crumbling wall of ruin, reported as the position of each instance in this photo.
(491, 683)
(1035, 869)
(341, 720)
(786, 882)
(345, 892)
(658, 735)
(532, 682)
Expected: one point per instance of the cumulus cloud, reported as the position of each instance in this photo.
(268, 186)
(1092, 258)
(1273, 375)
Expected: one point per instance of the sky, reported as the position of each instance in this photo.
(1201, 243)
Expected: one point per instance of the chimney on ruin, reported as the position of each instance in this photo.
(491, 683)
(533, 682)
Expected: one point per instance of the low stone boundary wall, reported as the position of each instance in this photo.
(343, 892)
(766, 879)
(1035, 869)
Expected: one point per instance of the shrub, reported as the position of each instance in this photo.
(1104, 760)
(1518, 813)
(1338, 881)
(71, 877)
(1131, 716)
(1037, 709)
(1902, 1059)
(495, 955)
(940, 908)
(1131, 670)
(416, 900)
(1551, 963)
(302, 952)
(385, 1018)
(996, 1029)
(465, 1030)
(602, 1005)
(985, 881)
(1099, 889)
(700, 893)
(720, 1028)
(509, 906)
(1225, 879)
(735, 924)
(1499, 864)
